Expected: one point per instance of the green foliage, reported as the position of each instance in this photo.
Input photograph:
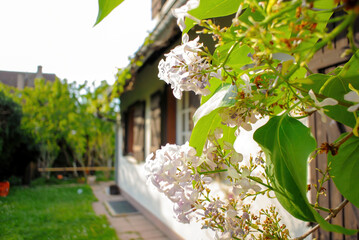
(337, 86)
(224, 96)
(105, 7)
(346, 161)
(205, 126)
(16, 145)
(212, 9)
(69, 124)
(56, 212)
(287, 144)
(239, 55)
(10, 118)
(207, 118)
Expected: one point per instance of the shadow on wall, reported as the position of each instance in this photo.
(133, 181)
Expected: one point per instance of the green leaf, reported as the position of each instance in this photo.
(247, 14)
(238, 56)
(314, 82)
(287, 144)
(213, 88)
(205, 126)
(332, 227)
(337, 86)
(105, 7)
(207, 119)
(223, 97)
(215, 8)
(321, 19)
(202, 129)
(345, 169)
(212, 9)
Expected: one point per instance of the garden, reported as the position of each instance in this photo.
(259, 69)
(55, 124)
(52, 212)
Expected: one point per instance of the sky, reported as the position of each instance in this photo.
(59, 35)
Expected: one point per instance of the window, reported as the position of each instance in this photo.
(156, 122)
(186, 107)
(134, 124)
(169, 117)
(128, 131)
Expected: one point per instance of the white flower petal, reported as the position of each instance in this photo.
(351, 96)
(353, 108)
(328, 102)
(312, 95)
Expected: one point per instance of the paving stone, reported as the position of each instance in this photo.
(144, 227)
(156, 238)
(127, 227)
(151, 233)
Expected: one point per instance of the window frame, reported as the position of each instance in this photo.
(184, 115)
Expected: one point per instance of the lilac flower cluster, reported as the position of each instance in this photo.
(184, 69)
(188, 181)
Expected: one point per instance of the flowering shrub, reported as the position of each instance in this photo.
(259, 69)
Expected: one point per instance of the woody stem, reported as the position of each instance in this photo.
(333, 214)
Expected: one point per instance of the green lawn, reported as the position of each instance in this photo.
(52, 212)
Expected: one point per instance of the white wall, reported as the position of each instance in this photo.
(132, 180)
(246, 145)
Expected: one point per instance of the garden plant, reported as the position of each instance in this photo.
(56, 124)
(259, 70)
(52, 212)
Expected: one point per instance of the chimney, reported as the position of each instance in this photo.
(39, 72)
(20, 81)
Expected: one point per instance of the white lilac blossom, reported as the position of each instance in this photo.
(247, 86)
(176, 172)
(169, 171)
(182, 12)
(225, 214)
(319, 105)
(235, 157)
(184, 69)
(352, 96)
(240, 117)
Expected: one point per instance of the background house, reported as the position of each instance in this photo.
(21, 80)
(151, 117)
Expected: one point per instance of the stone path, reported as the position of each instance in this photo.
(127, 227)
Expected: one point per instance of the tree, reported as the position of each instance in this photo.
(16, 147)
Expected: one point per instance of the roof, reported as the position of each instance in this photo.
(24, 79)
(163, 35)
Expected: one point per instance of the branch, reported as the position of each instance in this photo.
(333, 214)
(337, 145)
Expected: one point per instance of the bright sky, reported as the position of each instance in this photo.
(59, 35)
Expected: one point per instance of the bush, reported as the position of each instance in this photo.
(16, 145)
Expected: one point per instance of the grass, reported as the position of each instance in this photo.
(52, 212)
